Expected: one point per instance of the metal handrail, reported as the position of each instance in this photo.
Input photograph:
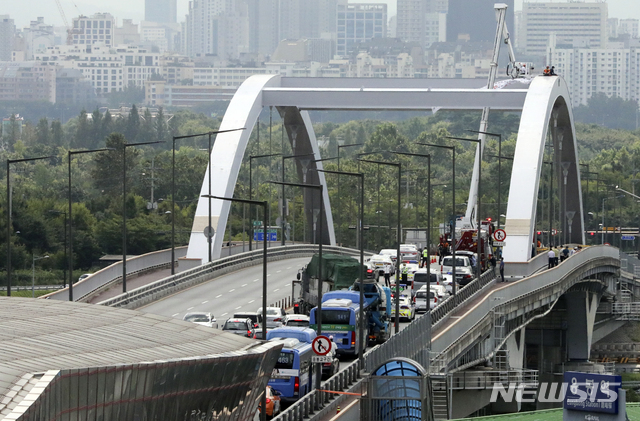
(200, 274)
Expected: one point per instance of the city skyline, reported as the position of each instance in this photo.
(123, 9)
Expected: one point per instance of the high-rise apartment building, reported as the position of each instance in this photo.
(359, 23)
(28, 81)
(416, 18)
(7, 35)
(475, 20)
(160, 11)
(614, 71)
(629, 27)
(575, 23)
(217, 28)
(95, 29)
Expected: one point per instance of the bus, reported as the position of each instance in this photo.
(293, 373)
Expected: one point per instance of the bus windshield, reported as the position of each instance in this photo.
(285, 360)
(336, 317)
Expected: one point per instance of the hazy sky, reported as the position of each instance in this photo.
(24, 11)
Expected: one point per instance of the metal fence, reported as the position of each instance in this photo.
(479, 380)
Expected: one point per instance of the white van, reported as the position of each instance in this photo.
(378, 261)
(464, 269)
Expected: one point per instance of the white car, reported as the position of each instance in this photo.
(379, 261)
(275, 315)
(421, 297)
(296, 320)
(441, 291)
(392, 253)
(464, 270)
(409, 252)
(203, 319)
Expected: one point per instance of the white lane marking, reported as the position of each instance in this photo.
(269, 274)
(218, 296)
(189, 308)
(174, 315)
(231, 290)
(289, 267)
(250, 301)
(255, 280)
(223, 314)
(239, 307)
(205, 301)
(244, 285)
(276, 290)
(288, 285)
(278, 271)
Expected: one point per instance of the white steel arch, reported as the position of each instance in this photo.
(546, 111)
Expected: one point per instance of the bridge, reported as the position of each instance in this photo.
(486, 331)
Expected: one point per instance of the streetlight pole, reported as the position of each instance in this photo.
(283, 206)
(251, 158)
(70, 256)
(124, 208)
(361, 244)
(64, 270)
(478, 202)
(173, 192)
(428, 156)
(9, 162)
(265, 208)
(339, 204)
(33, 274)
(453, 208)
(398, 236)
(320, 238)
(499, 136)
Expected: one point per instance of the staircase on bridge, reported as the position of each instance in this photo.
(440, 398)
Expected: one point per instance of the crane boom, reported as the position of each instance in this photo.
(66, 23)
(502, 35)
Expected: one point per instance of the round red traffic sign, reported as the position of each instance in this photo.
(321, 345)
(499, 235)
(554, 231)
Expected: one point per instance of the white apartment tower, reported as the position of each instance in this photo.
(416, 20)
(98, 28)
(217, 28)
(575, 23)
(614, 71)
(7, 35)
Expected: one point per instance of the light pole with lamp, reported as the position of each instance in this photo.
(478, 202)
(70, 256)
(453, 208)
(603, 218)
(360, 236)
(209, 230)
(264, 205)
(320, 238)
(398, 234)
(9, 162)
(251, 158)
(428, 156)
(304, 179)
(33, 273)
(124, 208)
(339, 204)
(64, 270)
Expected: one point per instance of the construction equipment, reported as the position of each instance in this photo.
(70, 30)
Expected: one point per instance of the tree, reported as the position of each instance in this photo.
(147, 131)
(107, 125)
(42, 131)
(81, 138)
(96, 128)
(161, 126)
(613, 112)
(57, 133)
(133, 124)
(107, 173)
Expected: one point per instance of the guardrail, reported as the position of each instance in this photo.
(113, 273)
(488, 379)
(405, 342)
(171, 284)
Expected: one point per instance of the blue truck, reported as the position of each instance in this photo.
(341, 316)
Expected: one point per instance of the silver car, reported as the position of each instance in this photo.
(420, 300)
(203, 318)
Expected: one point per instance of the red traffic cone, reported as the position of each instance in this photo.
(338, 410)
